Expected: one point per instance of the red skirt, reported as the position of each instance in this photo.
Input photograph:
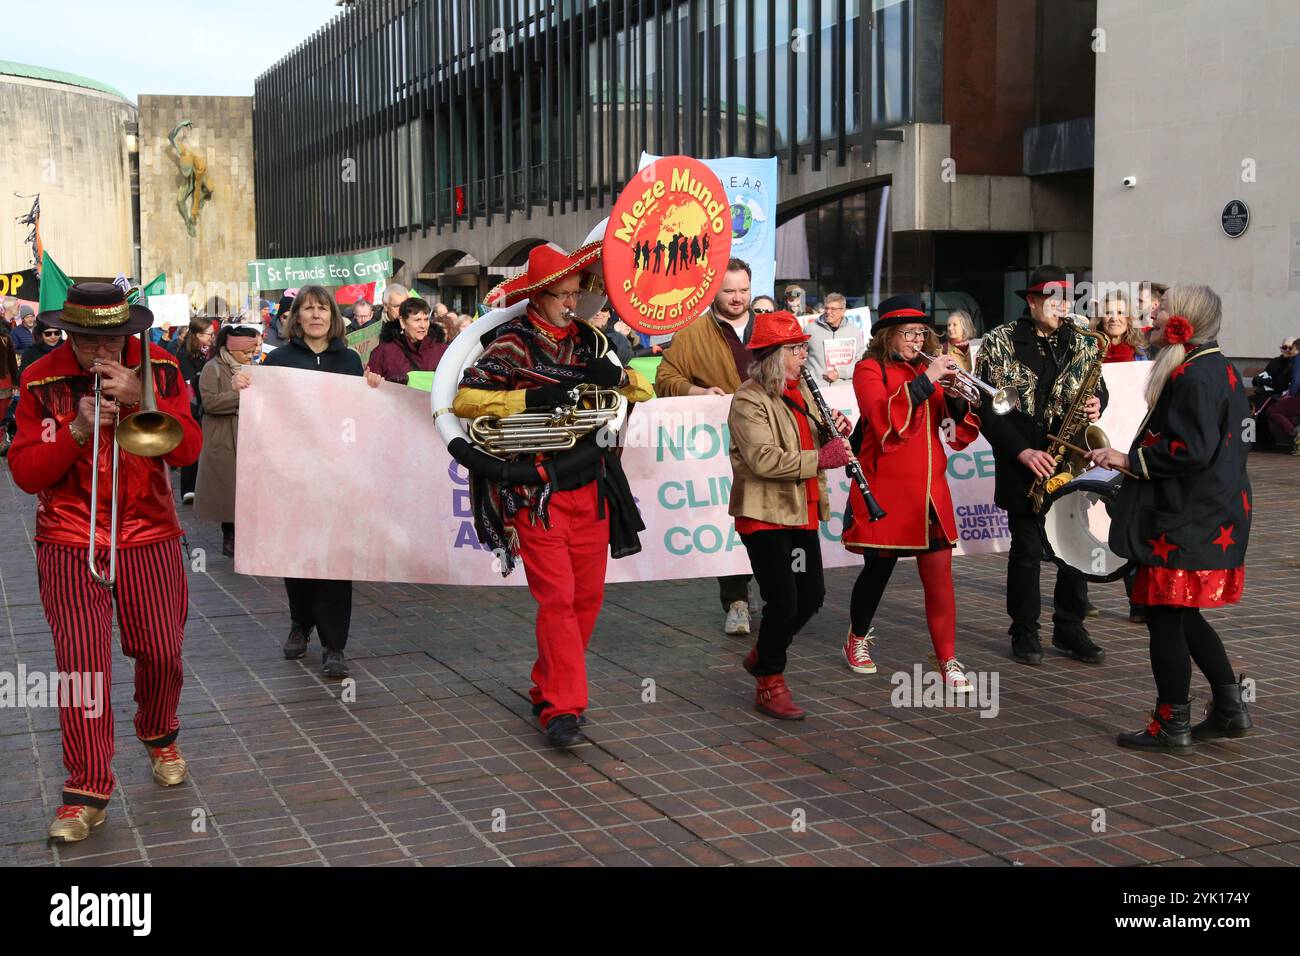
(1174, 586)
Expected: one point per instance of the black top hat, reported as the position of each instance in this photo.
(900, 310)
(1049, 280)
(98, 308)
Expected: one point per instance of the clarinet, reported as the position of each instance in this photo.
(874, 511)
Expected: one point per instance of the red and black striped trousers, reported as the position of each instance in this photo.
(152, 597)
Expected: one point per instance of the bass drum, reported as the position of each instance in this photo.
(1077, 525)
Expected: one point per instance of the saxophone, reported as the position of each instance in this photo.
(1074, 426)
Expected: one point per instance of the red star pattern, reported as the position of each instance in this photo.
(1161, 548)
(1232, 377)
(1245, 503)
(1178, 371)
(1176, 444)
(1151, 439)
(1224, 540)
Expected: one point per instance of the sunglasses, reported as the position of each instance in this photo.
(764, 311)
(54, 332)
(243, 330)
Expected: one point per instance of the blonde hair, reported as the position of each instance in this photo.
(1201, 306)
(1132, 335)
(967, 324)
(769, 372)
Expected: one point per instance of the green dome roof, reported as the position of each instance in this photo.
(8, 68)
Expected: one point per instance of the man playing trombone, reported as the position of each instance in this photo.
(120, 545)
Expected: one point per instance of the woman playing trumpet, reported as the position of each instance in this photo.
(904, 407)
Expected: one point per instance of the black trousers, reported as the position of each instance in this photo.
(733, 588)
(1024, 567)
(1180, 635)
(324, 605)
(788, 567)
(189, 478)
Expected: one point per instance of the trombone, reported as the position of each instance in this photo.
(972, 389)
(147, 432)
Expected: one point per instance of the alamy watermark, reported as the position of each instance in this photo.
(80, 689)
(922, 688)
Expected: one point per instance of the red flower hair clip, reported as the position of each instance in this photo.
(1178, 330)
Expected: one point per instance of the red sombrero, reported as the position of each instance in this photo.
(547, 265)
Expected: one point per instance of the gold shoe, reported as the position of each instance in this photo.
(169, 767)
(73, 823)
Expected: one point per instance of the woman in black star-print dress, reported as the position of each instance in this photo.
(1185, 519)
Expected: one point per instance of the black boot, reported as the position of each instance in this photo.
(1225, 715)
(1026, 649)
(1170, 729)
(296, 645)
(1079, 646)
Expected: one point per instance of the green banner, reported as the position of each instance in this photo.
(363, 341)
(329, 271)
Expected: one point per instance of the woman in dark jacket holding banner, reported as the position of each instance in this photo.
(1185, 518)
(316, 342)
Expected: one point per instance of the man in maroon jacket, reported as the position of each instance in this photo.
(52, 457)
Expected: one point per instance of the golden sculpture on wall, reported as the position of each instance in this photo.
(197, 188)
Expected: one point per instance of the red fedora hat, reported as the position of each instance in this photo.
(775, 328)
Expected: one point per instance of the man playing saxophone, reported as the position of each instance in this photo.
(1046, 360)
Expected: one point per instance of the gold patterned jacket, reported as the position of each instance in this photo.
(1010, 357)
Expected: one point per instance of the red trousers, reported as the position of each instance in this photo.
(152, 597)
(565, 566)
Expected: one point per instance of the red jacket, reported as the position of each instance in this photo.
(46, 461)
(903, 461)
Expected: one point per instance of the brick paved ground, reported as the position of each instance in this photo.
(439, 742)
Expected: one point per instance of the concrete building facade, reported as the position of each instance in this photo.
(1196, 100)
(69, 139)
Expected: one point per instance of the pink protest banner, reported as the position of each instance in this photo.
(314, 449)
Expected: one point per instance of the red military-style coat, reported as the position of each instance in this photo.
(902, 457)
(46, 461)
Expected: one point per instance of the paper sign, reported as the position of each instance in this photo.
(840, 352)
(170, 310)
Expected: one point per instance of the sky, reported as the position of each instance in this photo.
(213, 48)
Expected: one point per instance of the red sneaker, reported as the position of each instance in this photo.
(773, 698)
(857, 652)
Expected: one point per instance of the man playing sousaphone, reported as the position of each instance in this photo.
(54, 458)
(1045, 359)
(562, 525)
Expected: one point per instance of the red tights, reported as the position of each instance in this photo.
(935, 568)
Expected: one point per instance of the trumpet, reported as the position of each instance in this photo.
(148, 433)
(972, 389)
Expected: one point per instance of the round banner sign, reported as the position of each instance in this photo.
(666, 246)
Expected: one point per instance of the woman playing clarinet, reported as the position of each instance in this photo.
(904, 411)
(1185, 518)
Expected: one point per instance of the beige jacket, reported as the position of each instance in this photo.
(698, 355)
(214, 498)
(769, 469)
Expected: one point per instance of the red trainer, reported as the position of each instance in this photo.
(857, 651)
(773, 698)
